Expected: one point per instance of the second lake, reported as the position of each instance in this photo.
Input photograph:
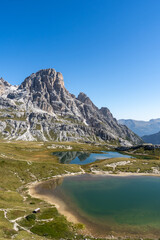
(82, 158)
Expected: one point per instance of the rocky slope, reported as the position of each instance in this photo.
(153, 138)
(142, 128)
(42, 109)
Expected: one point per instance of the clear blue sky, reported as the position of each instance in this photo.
(109, 49)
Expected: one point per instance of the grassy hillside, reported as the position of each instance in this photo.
(22, 163)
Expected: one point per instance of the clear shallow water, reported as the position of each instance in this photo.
(85, 157)
(113, 205)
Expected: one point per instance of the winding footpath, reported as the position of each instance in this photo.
(16, 226)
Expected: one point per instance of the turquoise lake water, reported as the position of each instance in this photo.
(81, 158)
(126, 206)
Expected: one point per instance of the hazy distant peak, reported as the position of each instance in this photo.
(142, 128)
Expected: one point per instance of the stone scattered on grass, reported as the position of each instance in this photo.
(114, 165)
(54, 146)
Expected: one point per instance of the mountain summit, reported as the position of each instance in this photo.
(42, 109)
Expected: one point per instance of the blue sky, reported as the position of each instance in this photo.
(109, 49)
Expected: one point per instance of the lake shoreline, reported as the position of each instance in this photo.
(70, 214)
(123, 174)
(58, 203)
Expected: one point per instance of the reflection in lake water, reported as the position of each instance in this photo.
(47, 187)
(81, 158)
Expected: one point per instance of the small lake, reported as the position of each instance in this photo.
(120, 206)
(82, 158)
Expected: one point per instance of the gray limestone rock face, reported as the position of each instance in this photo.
(41, 108)
(3, 86)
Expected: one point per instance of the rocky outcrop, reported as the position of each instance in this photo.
(42, 109)
(3, 86)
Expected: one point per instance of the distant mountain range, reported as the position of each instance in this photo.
(153, 138)
(42, 109)
(142, 128)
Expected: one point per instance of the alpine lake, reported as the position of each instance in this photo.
(81, 158)
(127, 206)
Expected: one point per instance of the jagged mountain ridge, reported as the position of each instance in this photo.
(42, 109)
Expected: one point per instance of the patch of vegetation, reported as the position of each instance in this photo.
(69, 119)
(8, 129)
(53, 134)
(46, 135)
(143, 152)
(31, 217)
(38, 127)
(48, 213)
(13, 117)
(18, 103)
(16, 213)
(28, 223)
(6, 228)
(57, 229)
(133, 165)
(9, 198)
(79, 226)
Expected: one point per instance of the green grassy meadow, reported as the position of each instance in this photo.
(22, 163)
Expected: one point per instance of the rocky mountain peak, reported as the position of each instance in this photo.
(43, 79)
(44, 110)
(45, 89)
(85, 99)
(106, 112)
(4, 85)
